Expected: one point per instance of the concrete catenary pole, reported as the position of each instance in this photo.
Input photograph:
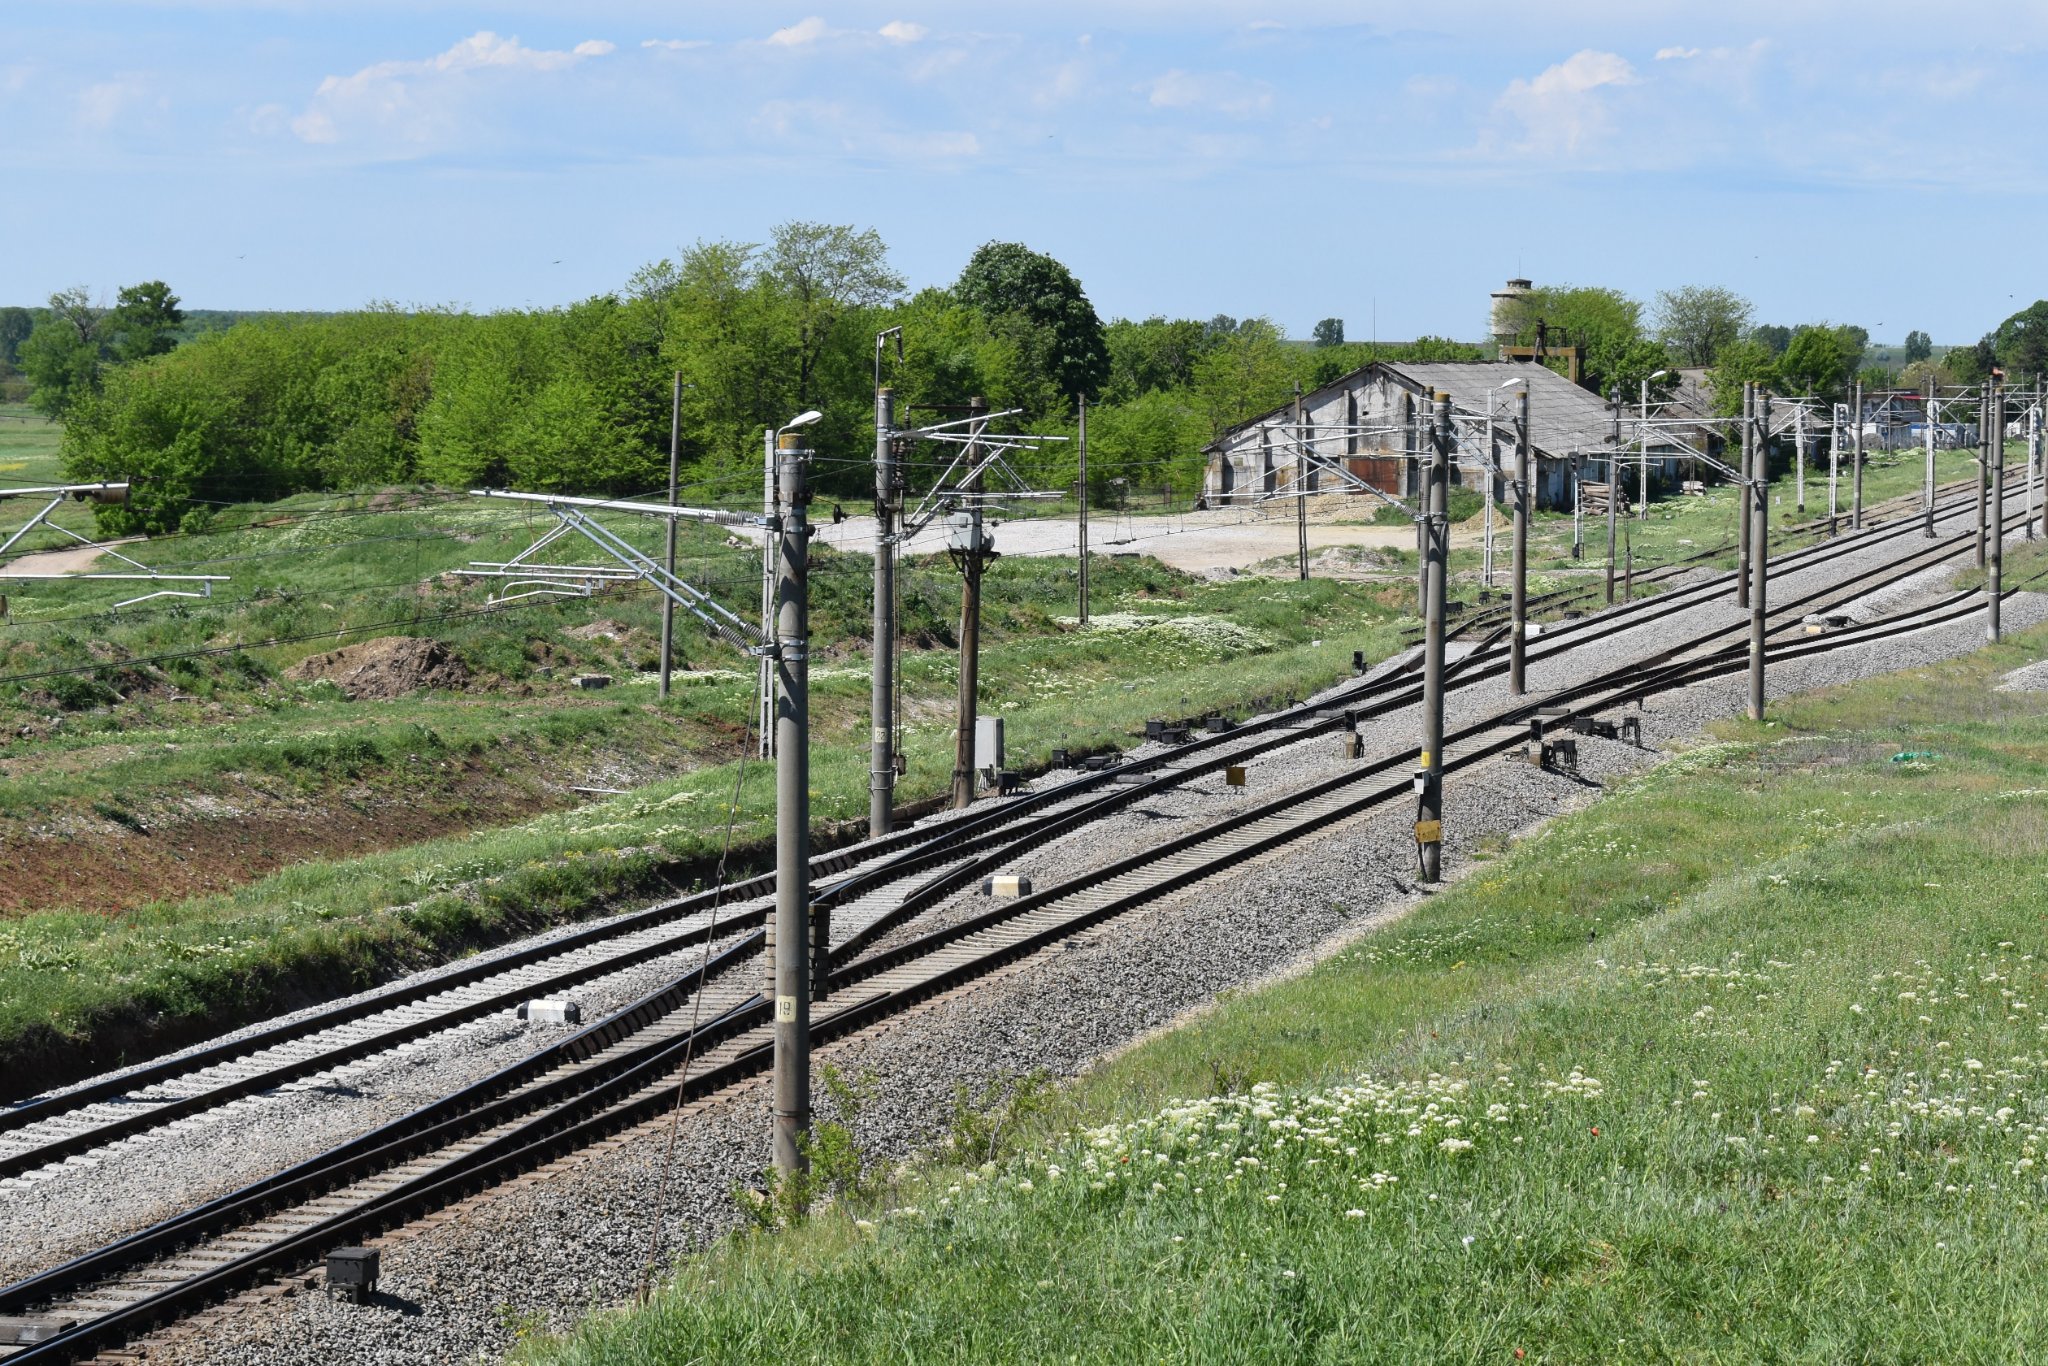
(1525, 494)
(1436, 522)
(668, 606)
(1760, 552)
(1983, 466)
(1834, 464)
(1927, 409)
(1643, 458)
(1082, 479)
(770, 546)
(1613, 486)
(1491, 463)
(1856, 462)
(792, 1002)
(1799, 454)
(1995, 572)
(2033, 461)
(1300, 487)
(882, 686)
(1743, 520)
(970, 621)
(1420, 440)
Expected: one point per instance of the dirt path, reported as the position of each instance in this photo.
(77, 559)
(1223, 539)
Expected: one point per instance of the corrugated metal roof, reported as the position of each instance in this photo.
(1562, 417)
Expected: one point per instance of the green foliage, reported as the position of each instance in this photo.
(1773, 337)
(1329, 332)
(1041, 306)
(1745, 362)
(1919, 347)
(15, 325)
(1815, 362)
(1249, 370)
(144, 322)
(2021, 341)
(61, 355)
(1695, 321)
(1152, 355)
(1607, 323)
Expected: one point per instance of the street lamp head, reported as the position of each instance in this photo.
(1513, 382)
(803, 419)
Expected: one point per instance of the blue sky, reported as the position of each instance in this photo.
(1870, 163)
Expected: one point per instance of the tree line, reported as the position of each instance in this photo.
(577, 398)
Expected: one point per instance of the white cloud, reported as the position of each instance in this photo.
(902, 31)
(1563, 108)
(389, 94)
(1431, 87)
(100, 104)
(1225, 92)
(1680, 54)
(796, 35)
(675, 44)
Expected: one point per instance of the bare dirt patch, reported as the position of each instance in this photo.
(390, 666)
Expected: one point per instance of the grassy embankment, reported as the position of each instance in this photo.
(473, 832)
(1747, 1062)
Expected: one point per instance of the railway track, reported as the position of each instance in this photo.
(623, 1070)
(76, 1122)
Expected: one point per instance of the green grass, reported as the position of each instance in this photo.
(71, 981)
(1745, 1063)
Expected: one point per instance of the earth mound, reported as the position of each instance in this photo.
(390, 666)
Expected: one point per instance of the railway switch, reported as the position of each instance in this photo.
(352, 1274)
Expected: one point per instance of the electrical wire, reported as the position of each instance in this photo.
(675, 1113)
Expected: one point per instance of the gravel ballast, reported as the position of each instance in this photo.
(549, 1248)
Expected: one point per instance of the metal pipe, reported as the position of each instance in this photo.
(1983, 468)
(1524, 492)
(770, 544)
(792, 998)
(1436, 524)
(668, 608)
(1758, 494)
(1834, 463)
(882, 686)
(1486, 485)
(970, 631)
